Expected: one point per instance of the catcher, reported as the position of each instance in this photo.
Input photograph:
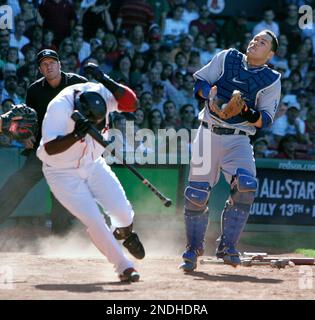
(240, 93)
(20, 123)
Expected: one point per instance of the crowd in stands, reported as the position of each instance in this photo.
(155, 46)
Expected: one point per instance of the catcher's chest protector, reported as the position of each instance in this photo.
(237, 77)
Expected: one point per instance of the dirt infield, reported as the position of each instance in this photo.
(47, 267)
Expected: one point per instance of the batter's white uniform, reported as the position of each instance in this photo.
(80, 178)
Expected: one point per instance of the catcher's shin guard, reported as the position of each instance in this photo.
(131, 241)
(235, 215)
(233, 221)
(196, 223)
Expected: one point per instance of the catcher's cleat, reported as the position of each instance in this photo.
(133, 244)
(129, 275)
(229, 256)
(190, 261)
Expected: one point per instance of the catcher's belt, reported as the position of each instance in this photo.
(223, 131)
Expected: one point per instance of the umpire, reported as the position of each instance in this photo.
(38, 96)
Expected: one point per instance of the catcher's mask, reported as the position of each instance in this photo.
(91, 104)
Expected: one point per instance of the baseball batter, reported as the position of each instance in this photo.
(78, 174)
(223, 142)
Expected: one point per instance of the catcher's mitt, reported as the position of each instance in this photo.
(20, 123)
(230, 109)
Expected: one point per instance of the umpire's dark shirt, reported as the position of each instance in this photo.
(40, 93)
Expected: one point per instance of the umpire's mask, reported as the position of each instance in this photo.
(91, 104)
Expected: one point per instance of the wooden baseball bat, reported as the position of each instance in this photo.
(93, 132)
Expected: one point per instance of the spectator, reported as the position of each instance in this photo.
(135, 12)
(290, 123)
(139, 119)
(171, 119)
(6, 105)
(17, 39)
(303, 101)
(95, 17)
(186, 93)
(309, 32)
(158, 96)
(157, 65)
(293, 63)
(267, 23)
(194, 62)
(178, 80)
(279, 59)
(154, 32)
(65, 48)
(9, 90)
(200, 42)
(155, 121)
(73, 62)
(9, 69)
(58, 16)
(48, 40)
(158, 51)
(188, 118)
(290, 27)
(185, 46)
(32, 72)
(288, 149)
(146, 103)
(167, 72)
(211, 50)
(137, 69)
(79, 45)
(181, 62)
(260, 147)
(123, 44)
(152, 76)
(79, 10)
(304, 61)
(283, 40)
(30, 15)
(296, 80)
(137, 40)
(310, 125)
(36, 37)
(160, 9)
(234, 30)
(94, 43)
(100, 56)
(204, 24)
(282, 110)
(4, 43)
(121, 72)
(190, 12)
(176, 26)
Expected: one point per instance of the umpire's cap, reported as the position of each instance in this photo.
(91, 104)
(47, 53)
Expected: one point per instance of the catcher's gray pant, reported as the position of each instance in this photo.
(212, 153)
(20, 183)
(80, 189)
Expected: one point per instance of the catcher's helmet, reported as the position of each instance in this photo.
(91, 104)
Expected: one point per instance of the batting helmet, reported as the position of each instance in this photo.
(91, 104)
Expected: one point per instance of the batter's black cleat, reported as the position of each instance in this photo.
(133, 244)
(129, 275)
